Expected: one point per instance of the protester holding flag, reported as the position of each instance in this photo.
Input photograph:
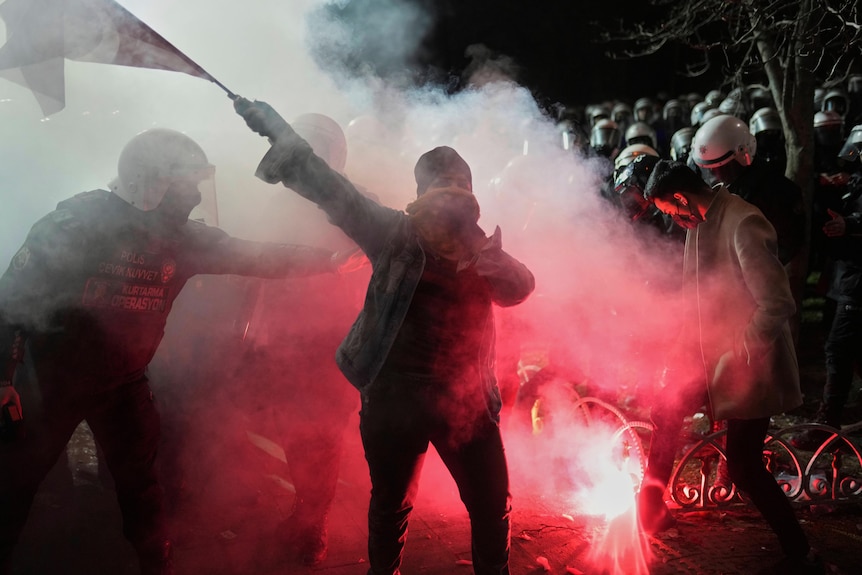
(91, 289)
(421, 351)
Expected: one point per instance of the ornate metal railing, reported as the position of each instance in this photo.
(831, 472)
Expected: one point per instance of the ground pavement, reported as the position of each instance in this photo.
(226, 528)
(76, 531)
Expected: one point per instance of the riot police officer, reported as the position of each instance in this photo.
(90, 292)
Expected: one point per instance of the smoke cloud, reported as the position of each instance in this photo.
(603, 309)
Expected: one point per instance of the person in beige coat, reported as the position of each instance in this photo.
(735, 350)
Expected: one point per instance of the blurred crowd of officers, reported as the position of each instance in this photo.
(737, 138)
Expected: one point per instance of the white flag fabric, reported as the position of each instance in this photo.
(41, 34)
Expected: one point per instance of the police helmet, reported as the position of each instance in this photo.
(325, 137)
(641, 133)
(680, 144)
(853, 146)
(765, 120)
(630, 183)
(605, 138)
(835, 101)
(721, 140)
(698, 111)
(152, 160)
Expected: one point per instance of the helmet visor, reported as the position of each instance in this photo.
(850, 151)
(207, 210)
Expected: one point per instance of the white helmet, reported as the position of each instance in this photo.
(680, 143)
(824, 119)
(710, 114)
(850, 151)
(325, 137)
(828, 128)
(151, 160)
(714, 98)
(629, 153)
(722, 139)
(835, 100)
(698, 111)
(643, 110)
(605, 138)
(765, 120)
(641, 133)
(597, 112)
(622, 114)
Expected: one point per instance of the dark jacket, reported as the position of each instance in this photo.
(846, 251)
(781, 202)
(392, 245)
(94, 282)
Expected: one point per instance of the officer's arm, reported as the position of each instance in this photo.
(215, 252)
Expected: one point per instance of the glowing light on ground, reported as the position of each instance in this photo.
(620, 548)
(608, 478)
(605, 477)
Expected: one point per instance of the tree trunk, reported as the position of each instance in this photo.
(791, 81)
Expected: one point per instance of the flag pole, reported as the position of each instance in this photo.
(230, 94)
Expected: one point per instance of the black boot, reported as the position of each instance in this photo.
(653, 513)
(313, 545)
(307, 539)
(156, 558)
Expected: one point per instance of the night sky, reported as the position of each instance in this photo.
(552, 45)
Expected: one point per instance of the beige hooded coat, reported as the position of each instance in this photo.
(737, 296)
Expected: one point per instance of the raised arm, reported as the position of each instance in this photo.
(292, 162)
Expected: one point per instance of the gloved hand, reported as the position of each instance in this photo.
(261, 117)
(836, 227)
(9, 399)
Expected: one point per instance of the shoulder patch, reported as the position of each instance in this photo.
(65, 218)
(21, 259)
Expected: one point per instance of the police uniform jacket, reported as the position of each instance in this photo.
(94, 283)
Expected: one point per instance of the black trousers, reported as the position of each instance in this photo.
(843, 347)
(397, 423)
(744, 445)
(125, 424)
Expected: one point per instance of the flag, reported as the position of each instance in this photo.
(40, 34)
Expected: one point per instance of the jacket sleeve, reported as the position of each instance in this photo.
(28, 288)
(510, 280)
(292, 162)
(766, 280)
(218, 253)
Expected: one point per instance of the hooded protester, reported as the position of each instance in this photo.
(735, 350)
(89, 293)
(421, 351)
